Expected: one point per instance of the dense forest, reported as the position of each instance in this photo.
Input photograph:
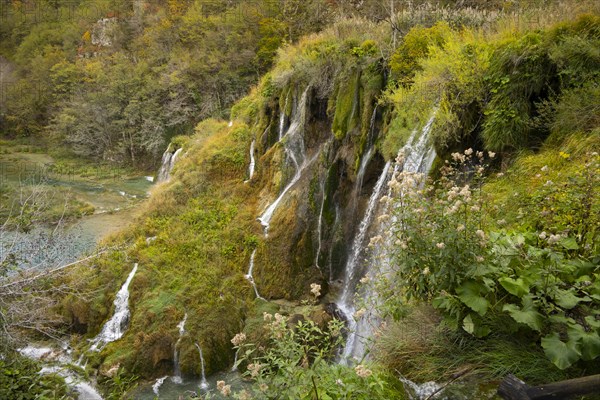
(351, 199)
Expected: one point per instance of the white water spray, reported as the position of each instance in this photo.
(158, 384)
(167, 164)
(250, 277)
(115, 327)
(177, 371)
(252, 162)
(203, 382)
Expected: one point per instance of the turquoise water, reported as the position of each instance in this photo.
(114, 198)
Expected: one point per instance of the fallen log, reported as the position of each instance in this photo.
(512, 388)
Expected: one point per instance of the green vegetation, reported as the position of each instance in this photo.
(495, 258)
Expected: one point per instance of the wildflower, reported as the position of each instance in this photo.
(244, 395)
(315, 289)
(475, 208)
(491, 154)
(479, 154)
(480, 233)
(267, 317)
(440, 245)
(364, 279)
(223, 388)
(501, 222)
(383, 217)
(263, 387)
(543, 235)
(538, 175)
(554, 239)
(254, 368)
(479, 259)
(384, 199)
(279, 318)
(544, 168)
(426, 271)
(358, 314)
(469, 151)
(238, 339)
(339, 382)
(374, 240)
(460, 228)
(548, 183)
(500, 174)
(362, 371)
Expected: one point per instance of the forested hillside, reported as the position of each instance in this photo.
(367, 200)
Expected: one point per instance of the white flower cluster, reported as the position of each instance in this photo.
(223, 388)
(315, 289)
(362, 371)
(238, 339)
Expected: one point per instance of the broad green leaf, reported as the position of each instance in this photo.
(470, 294)
(516, 287)
(527, 315)
(560, 353)
(569, 243)
(468, 324)
(589, 342)
(567, 299)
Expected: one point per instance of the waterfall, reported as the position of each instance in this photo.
(418, 157)
(252, 162)
(282, 117)
(235, 360)
(115, 327)
(61, 366)
(320, 224)
(203, 382)
(168, 162)
(345, 303)
(366, 158)
(249, 275)
(177, 372)
(158, 384)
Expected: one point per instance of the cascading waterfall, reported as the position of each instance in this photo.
(293, 142)
(250, 277)
(320, 225)
(282, 118)
(176, 370)
(61, 366)
(203, 381)
(115, 327)
(167, 164)
(252, 162)
(418, 157)
(367, 156)
(345, 303)
(158, 384)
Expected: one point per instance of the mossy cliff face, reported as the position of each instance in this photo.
(203, 225)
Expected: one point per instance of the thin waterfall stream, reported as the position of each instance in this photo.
(203, 383)
(115, 327)
(176, 369)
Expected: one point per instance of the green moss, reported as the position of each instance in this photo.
(347, 106)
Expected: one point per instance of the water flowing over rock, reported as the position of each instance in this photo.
(158, 384)
(58, 363)
(252, 162)
(345, 302)
(115, 327)
(203, 382)
(168, 162)
(176, 370)
(418, 156)
(249, 276)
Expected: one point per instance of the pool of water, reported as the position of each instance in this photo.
(114, 197)
(170, 390)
